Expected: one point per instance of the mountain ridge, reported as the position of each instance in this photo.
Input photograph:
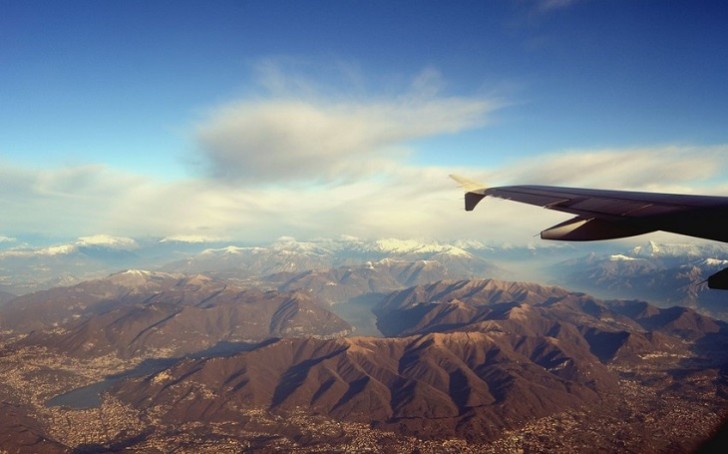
(537, 352)
(151, 314)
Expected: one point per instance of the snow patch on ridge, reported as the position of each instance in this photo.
(621, 258)
(64, 249)
(113, 242)
(395, 246)
(191, 239)
(715, 262)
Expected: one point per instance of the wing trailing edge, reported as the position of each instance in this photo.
(593, 229)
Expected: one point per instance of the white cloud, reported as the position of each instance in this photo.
(401, 201)
(68, 201)
(311, 137)
(50, 251)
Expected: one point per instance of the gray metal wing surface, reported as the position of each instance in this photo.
(602, 214)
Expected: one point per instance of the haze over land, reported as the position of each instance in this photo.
(228, 226)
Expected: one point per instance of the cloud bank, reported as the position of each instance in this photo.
(309, 163)
(398, 201)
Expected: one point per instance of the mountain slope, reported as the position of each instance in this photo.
(434, 385)
(481, 358)
(142, 314)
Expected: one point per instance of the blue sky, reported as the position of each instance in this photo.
(250, 120)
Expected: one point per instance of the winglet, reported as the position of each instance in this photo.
(719, 280)
(474, 192)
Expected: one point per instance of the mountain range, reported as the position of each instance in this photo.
(664, 274)
(152, 314)
(262, 348)
(473, 359)
(667, 274)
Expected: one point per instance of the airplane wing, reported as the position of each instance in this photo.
(607, 214)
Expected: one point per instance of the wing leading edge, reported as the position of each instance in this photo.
(608, 214)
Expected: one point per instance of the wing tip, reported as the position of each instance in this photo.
(472, 199)
(474, 191)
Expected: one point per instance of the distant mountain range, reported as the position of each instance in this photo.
(290, 256)
(24, 270)
(665, 274)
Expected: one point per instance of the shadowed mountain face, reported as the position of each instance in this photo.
(146, 314)
(469, 384)
(341, 284)
(474, 358)
(609, 328)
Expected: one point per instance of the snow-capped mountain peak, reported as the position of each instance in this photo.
(107, 241)
(621, 258)
(395, 246)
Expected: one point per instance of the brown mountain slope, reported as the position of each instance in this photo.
(608, 328)
(6, 296)
(338, 285)
(22, 434)
(160, 315)
(513, 366)
(60, 305)
(469, 384)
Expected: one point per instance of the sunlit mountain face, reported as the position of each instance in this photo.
(387, 344)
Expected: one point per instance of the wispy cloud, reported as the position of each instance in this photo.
(52, 201)
(550, 5)
(311, 136)
(661, 168)
(398, 201)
